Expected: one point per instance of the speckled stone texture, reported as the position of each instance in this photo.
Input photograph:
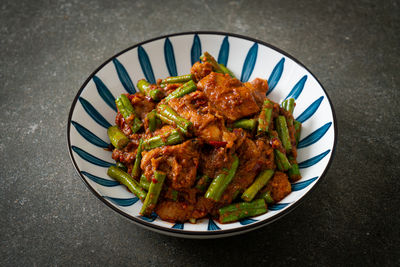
(49, 48)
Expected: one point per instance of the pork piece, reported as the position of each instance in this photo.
(213, 159)
(208, 124)
(279, 186)
(229, 96)
(142, 104)
(122, 125)
(174, 211)
(200, 70)
(188, 195)
(258, 88)
(179, 162)
(203, 207)
(266, 160)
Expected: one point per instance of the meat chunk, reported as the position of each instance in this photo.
(200, 70)
(174, 211)
(142, 104)
(208, 124)
(266, 159)
(179, 162)
(203, 207)
(213, 160)
(279, 186)
(258, 88)
(229, 96)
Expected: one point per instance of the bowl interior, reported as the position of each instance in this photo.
(93, 110)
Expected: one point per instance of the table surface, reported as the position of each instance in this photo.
(49, 48)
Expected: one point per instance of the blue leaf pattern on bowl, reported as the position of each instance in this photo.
(124, 77)
(277, 206)
(310, 110)
(195, 52)
(224, 52)
(298, 88)
(170, 57)
(301, 185)
(178, 226)
(315, 136)
(90, 158)
(275, 75)
(212, 226)
(88, 135)
(249, 63)
(105, 93)
(146, 65)
(96, 116)
(314, 160)
(247, 221)
(100, 181)
(124, 202)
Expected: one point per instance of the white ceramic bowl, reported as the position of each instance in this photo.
(93, 110)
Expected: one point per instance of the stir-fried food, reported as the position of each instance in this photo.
(205, 144)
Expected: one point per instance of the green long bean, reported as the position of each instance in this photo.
(153, 194)
(261, 180)
(221, 182)
(136, 165)
(264, 119)
(283, 132)
(185, 89)
(117, 137)
(126, 109)
(166, 139)
(169, 116)
(125, 179)
(237, 211)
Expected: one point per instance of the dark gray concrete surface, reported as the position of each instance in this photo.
(49, 48)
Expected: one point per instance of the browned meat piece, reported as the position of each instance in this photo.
(258, 88)
(174, 211)
(208, 124)
(249, 155)
(266, 159)
(188, 195)
(213, 160)
(179, 162)
(120, 122)
(229, 96)
(200, 70)
(279, 186)
(203, 207)
(142, 104)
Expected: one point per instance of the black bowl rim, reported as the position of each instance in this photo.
(189, 233)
